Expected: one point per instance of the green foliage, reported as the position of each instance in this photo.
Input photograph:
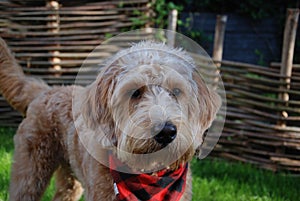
(162, 9)
(200, 37)
(261, 58)
(159, 17)
(139, 20)
(256, 9)
(108, 36)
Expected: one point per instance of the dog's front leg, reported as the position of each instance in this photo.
(94, 177)
(99, 183)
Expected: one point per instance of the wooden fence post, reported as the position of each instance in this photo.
(219, 38)
(172, 24)
(287, 57)
(218, 45)
(54, 26)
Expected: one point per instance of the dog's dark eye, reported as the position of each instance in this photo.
(136, 94)
(176, 92)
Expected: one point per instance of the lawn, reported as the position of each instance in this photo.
(213, 179)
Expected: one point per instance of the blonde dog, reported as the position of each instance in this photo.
(140, 121)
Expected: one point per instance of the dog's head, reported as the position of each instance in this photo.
(153, 104)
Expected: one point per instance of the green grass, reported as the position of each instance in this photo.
(217, 180)
(6, 150)
(213, 179)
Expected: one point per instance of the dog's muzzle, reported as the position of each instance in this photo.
(164, 133)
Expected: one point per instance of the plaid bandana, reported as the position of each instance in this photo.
(164, 186)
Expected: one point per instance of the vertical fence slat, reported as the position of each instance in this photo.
(219, 37)
(54, 27)
(172, 24)
(219, 44)
(289, 39)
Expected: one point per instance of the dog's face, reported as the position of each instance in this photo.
(154, 105)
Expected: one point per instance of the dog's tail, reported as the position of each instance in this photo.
(18, 89)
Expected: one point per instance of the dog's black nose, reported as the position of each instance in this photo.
(167, 134)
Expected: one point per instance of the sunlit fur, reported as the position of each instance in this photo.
(67, 135)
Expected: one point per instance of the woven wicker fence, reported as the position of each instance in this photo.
(255, 130)
(52, 38)
(263, 106)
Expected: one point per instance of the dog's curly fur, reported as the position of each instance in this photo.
(67, 130)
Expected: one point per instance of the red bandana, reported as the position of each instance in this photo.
(165, 186)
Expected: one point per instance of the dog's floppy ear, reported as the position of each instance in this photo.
(95, 109)
(208, 100)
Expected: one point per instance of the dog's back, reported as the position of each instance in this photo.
(18, 89)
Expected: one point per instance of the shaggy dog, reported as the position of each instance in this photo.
(141, 120)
